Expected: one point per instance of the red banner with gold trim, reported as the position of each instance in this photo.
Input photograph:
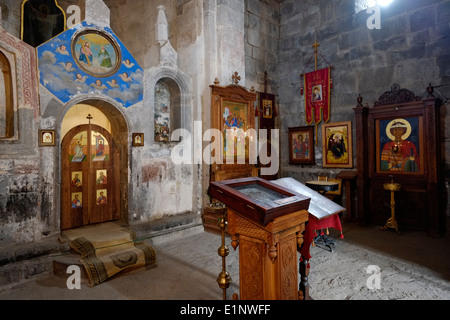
(317, 95)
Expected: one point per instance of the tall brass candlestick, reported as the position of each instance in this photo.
(224, 279)
(392, 222)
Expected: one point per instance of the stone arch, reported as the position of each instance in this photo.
(166, 89)
(6, 98)
(179, 84)
(119, 132)
(188, 112)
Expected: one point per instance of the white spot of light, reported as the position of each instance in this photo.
(364, 4)
(384, 3)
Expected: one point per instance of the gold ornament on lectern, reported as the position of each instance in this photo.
(224, 278)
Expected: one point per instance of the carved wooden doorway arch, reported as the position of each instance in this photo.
(90, 187)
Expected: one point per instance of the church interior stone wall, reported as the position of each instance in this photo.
(195, 43)
(410, 49)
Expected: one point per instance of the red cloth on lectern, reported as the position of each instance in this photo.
(317, 95)
(310, 231)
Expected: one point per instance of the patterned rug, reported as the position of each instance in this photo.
(110, 249)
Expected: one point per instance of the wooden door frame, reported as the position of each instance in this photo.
(120, 134)
(89, 209)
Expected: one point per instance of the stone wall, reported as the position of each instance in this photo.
(411, 49)
(262, 34)
(11, 13)
(22, 190)
(213, 39)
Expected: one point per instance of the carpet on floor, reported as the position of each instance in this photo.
(108, 249)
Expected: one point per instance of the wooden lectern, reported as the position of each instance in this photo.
(266, 221)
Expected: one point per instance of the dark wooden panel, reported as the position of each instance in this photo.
(420, 204)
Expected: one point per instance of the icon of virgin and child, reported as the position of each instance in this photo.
(400, 154)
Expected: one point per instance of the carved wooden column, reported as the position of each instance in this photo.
(268, 255)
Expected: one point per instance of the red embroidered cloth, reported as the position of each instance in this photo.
(314, 224)
(317, 95)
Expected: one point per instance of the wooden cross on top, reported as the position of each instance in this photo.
(315, 46)
(236, 78)
(265, 81)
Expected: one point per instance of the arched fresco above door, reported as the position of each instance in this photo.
(88, 59)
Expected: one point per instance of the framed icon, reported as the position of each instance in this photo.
(399, 145)
(235, 121)
(46, 138)
(101, 177)
(77, 179)
(301, 145)
(77, 200)
(102, 197)
(138, 139)
(337, 145)
(267, 108)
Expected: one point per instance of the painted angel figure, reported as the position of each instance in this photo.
(79, 78)
(125, 77)
(62, 50)
(98, 85)
(127, 63)
(78, 150)
(113, 83)
(68, 66)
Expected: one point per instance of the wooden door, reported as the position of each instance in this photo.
(88, 185)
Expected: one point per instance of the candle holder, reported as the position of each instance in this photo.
(224, 278)
(392, 222)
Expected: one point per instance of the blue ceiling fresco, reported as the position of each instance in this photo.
(89, 59)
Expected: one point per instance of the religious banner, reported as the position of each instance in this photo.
(317, 95)
(267, 111)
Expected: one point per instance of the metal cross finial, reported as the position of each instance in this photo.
(236, 78)
(89, 117)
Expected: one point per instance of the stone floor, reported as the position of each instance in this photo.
(411, 266)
